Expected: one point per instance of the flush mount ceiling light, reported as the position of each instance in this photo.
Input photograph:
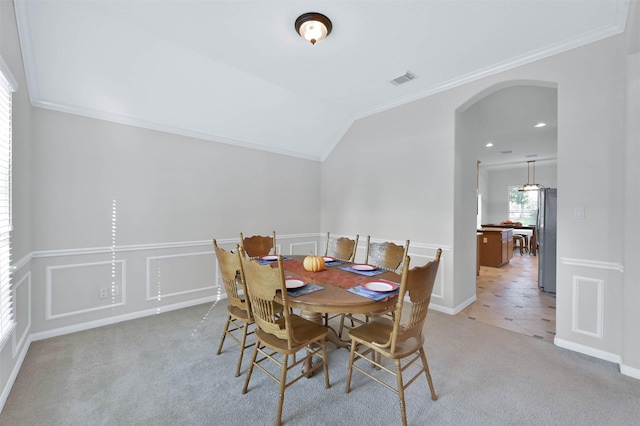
(313, 26)
(531, 186)
(541, 124)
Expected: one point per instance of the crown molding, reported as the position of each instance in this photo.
(617, 27)
(24, 30)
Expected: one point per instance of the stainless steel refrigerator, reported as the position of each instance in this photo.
(546, 233)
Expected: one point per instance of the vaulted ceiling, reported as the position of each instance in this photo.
(237, 72)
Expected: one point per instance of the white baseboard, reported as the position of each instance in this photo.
(452, 311)
(596, 353)
(89, 325)
(14, 373)
(120, 318)
(630, 371)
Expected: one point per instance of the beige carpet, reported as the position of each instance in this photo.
(162, 370)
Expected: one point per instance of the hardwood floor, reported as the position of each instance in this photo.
(508, 297)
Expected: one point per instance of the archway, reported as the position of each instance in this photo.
(504, 114)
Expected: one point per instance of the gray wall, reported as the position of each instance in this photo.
(409, 176)
(167, 188)
(13, 350)
(399, 174)
(150, 202)
(630, 358)
(102, 205)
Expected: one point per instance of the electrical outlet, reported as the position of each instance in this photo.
(103, 293)
(115, 290)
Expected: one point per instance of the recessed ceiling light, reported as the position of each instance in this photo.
(541, 124)
(489, 145)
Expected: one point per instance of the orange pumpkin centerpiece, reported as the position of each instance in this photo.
(313, 263)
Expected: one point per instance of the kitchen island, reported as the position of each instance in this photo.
(496, 246)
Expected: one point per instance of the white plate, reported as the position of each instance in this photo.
(269, 257)
(380, 286)
(294, 283)
(363, 267)
(328, 258)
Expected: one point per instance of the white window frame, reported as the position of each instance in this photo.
(532, 212)
(8, 85)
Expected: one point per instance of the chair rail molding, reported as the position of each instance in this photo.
(597, 264)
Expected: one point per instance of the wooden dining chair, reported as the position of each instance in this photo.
(239, 317)
(342, 248)
(401, 339)
(280, 337)
(385, 255)
(258, 245)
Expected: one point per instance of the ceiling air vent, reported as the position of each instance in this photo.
(530, 155)
(402, 78)
(506, 152)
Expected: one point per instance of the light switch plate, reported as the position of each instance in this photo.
(578, 212)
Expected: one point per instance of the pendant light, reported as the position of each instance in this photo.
(531, 186)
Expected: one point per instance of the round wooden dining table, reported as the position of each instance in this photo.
(334, 297)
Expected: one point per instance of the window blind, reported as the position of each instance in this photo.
(7, 320)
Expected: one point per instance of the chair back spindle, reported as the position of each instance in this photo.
(267, 292)
(239, 317)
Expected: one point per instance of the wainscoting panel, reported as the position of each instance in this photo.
(304, 248)
(149, 278)
(420, 260)
(588, 306)
(179, 274)
(22, 312)
(80, 288)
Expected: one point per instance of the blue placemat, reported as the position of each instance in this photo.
(268, 262)
(373, 295)
(334, 262)
(367, 273)
(301, 291)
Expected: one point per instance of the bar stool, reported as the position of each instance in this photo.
(527, 243)
(518, 243)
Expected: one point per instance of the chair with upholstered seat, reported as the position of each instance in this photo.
(385, 255)
(258, 245)
(239, 316)
(400, 339)
(279, 337)
(342, 248)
